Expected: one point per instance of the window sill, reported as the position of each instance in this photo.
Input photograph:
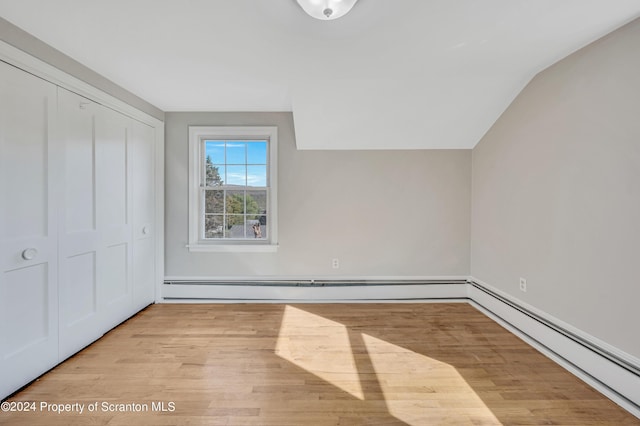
(233, 248)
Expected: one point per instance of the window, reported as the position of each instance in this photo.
(232, 198)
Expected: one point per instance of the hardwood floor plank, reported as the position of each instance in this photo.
(324, 364)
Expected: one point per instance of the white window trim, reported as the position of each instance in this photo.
(196, 135)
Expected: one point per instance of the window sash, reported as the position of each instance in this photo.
(224, 214)
(266, 237)
(246, 164)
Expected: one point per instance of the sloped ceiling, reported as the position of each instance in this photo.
(392, 74)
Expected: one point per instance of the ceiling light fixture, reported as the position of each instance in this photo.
(326, 10)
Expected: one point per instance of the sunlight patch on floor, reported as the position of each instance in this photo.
(420, 389)
(416, 389)
(319, 346)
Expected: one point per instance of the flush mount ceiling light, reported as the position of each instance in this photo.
(326, 10)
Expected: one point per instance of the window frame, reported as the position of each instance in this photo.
(197, 136)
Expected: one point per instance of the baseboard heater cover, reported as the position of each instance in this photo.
(314, 282)
(313, 290)
(610, 373)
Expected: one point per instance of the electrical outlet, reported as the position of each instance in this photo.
(335, 263)
(523, 285)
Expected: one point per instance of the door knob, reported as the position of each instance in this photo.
(28, 254)
(145, 230)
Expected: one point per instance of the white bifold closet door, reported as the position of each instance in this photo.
(29, 171)
(108, 163)
(77, 223)
(95, 222)
(143, 183)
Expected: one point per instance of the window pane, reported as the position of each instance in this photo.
(214, 201)
(222, 171)
(235, 202)
(256, 204)
(235, 226)
(255, 229)
(214, 150)
(256, 214)
(214, 174)
(257, 175)
(236, 175)
(213, 226)
(236, 152)
(257, 152)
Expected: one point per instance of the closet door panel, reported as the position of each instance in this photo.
(143, 172)
(114, 277)
(80, 319)
(27, 289)
(79, 211)
(144, 272)
(81, 286)
(113, 200)
(111, 163)
(28, 231)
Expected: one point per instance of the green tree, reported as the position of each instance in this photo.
(240, 204)
(236, 204)
(212, 174)
(252, 205)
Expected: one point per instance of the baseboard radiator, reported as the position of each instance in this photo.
(611, 372)
(311, 290)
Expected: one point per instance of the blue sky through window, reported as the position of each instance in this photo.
(236, 153)
(239, 162)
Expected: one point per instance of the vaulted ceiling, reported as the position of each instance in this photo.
(392, 74)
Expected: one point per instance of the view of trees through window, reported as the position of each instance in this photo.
(235, 189)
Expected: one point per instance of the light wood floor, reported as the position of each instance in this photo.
(339, 364)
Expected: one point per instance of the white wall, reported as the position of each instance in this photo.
(382, 213)
(556, 192)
